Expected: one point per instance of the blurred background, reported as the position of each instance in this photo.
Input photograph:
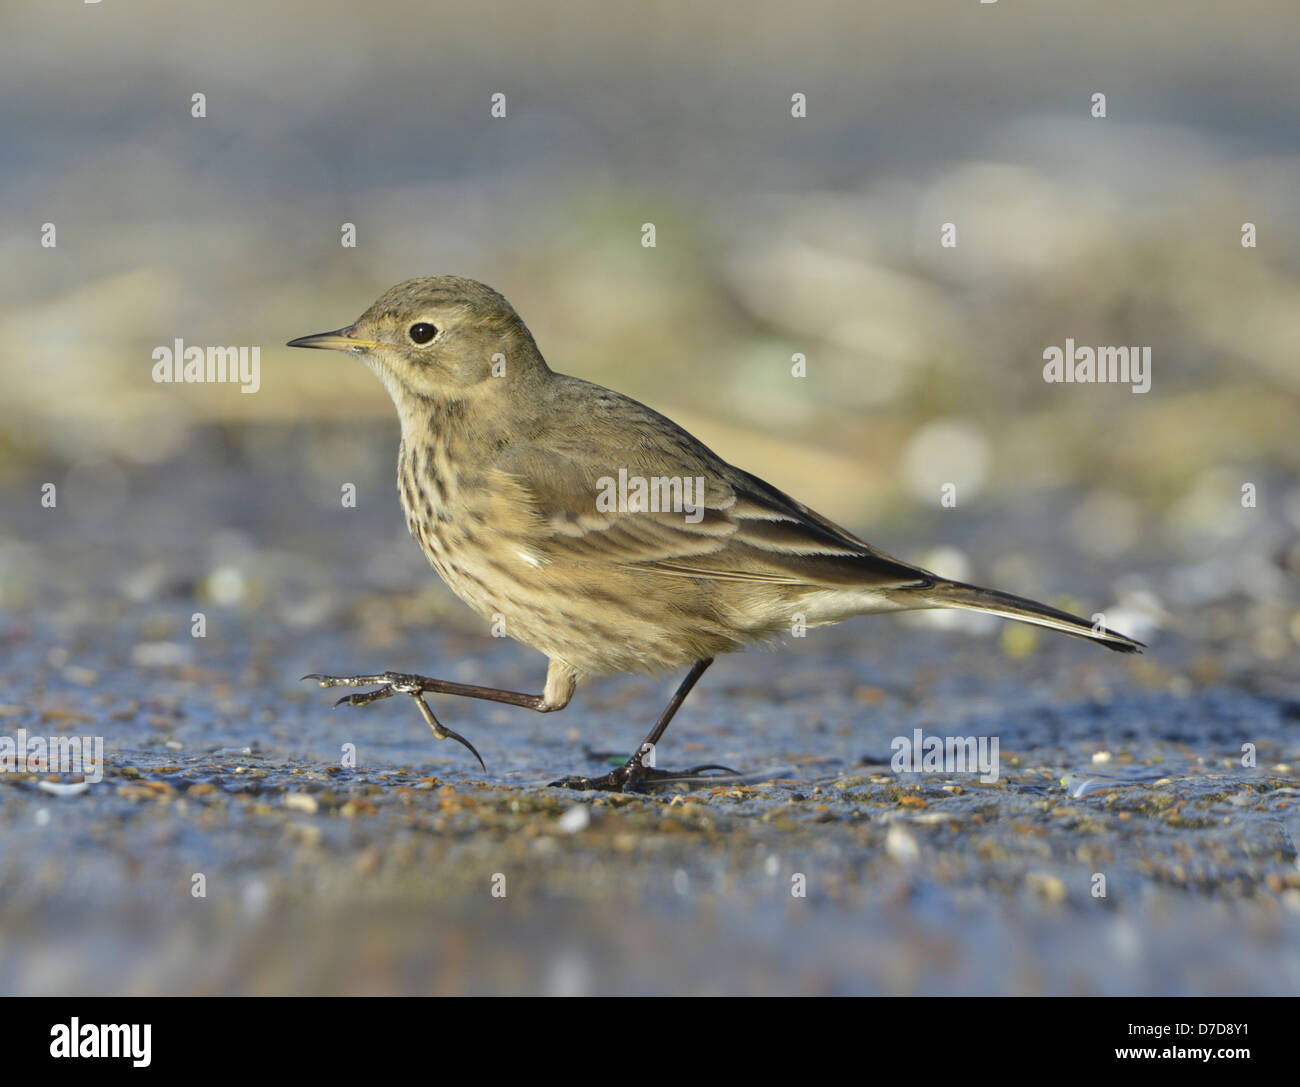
(775, 235)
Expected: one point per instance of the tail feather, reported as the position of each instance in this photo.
(956, 594)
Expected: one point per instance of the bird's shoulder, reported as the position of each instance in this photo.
(583, 416)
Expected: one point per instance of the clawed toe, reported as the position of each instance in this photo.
(364, 698)
(444, 733)
(398, 680)
(723, 771)
(634, 777)
(387, 685)
(583, 785)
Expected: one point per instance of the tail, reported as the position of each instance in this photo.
(955, 594)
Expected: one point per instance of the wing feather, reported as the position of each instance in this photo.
(743, 530)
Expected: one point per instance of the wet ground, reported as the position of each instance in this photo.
(246, 837)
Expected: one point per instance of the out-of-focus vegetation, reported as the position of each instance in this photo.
(775, 234)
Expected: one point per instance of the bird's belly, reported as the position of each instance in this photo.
(597, 619)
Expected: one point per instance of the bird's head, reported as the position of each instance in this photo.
(438, 338)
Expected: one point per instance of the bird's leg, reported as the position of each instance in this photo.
(637, 771)
(391, 683)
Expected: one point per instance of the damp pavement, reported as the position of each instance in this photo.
(247, 837)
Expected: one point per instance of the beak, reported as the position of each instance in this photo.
(341, 339)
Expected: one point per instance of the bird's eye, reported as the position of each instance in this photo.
(422, 332)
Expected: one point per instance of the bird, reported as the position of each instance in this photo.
(598, 531)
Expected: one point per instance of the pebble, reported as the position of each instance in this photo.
(303, 833)
(1078, 786)
(901, 845)
(352, 808)
(63, 788)
(576, 819)
(159, 654)
(1046, 885)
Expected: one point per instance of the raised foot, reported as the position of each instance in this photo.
(389, 684)
(634, 777)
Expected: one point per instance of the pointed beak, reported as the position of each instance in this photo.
(341, 339)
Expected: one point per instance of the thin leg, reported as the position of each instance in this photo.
(391, 683)
(674, 704)
(555, 697)
(636, 770)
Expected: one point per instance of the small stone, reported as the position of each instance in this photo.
(63, 788)
(354, 808)
(367, 862)
(576, 819)
(58, 713)
(303, 833)
(159, 654)
(1046, 885)
(901, 845)
(301, 802)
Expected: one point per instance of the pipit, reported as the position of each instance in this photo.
(597, 530)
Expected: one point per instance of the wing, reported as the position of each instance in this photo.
(737, 527)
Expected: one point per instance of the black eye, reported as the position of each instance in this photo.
(422, 332)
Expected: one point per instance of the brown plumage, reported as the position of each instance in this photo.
(504, 472)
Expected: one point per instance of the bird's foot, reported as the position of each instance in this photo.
(387, 685)
(634, 776)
